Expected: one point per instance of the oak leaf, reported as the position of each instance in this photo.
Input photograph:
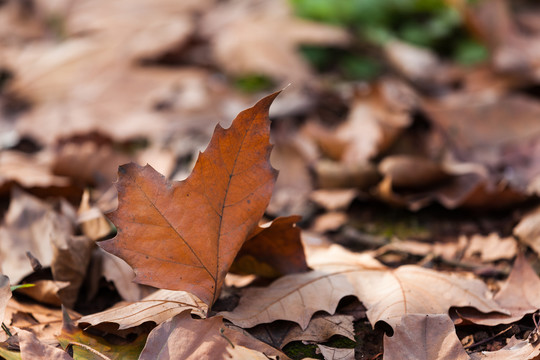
(156, 307)
(272, 250)
(33, 349)
(387, 294)
(185, 235)
(185, 338)
(424, 337)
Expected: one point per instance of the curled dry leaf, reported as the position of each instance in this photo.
(491, 247)
(33, 349)
(156, 307)
(272, 250)
(46, 291)
(121, 274)
(185, 235)
(387, 294)
(29, 225)
(91, 347)
(71, 256)
(375, 120)
(321, 328)
(43, 321)
(28, 171)
(184, 338)
(519, 295)
(421, 336)
(412, 171)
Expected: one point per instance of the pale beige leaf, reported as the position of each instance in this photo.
(71, 256)
(184, 338)
(387, 294)
(491, 247)
(519, 295)
(46, 291)
(157, 307)
(424, 337)
(33, 349)
(330, 353)
(28, 227)
(121, 274)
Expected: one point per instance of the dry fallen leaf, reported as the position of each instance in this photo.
(91, 347)
(184, 338)
(29, 226)
(387, 294)
(320, 329)
(185, 235)
(491, 247)
(43, 321)
(429, 337)
(33, 349)
(519, 295)
(157, 307)
(272, 250)
(376, 118)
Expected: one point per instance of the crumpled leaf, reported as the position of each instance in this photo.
(320, 329)
(184, 338)
(28, 226)
(387, 294)
(519, 295)
(71, 256)
(377, 116)
(43, 321)
(272, 250)
(479, 132)
(28, 171)
(421, 336)
(33, 349)
(185, 235)
(156, 307)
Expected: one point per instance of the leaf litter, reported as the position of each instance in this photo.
(80, 97)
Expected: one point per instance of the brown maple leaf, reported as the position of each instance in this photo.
(185, 235)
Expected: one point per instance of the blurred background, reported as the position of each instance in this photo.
(412, 103)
